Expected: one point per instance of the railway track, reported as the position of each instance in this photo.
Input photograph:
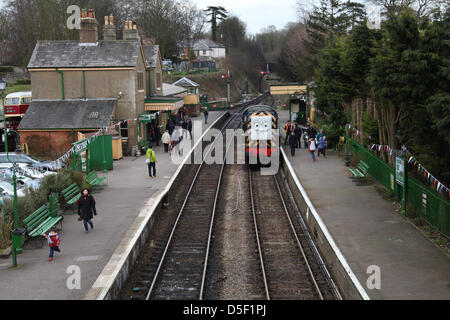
(181, 272)
(286, 271)
(190, 257)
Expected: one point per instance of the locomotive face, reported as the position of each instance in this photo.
(261, 128)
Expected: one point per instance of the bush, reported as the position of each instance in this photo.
(6, 225)
(333, 134)
(35, 198)
(6, 69)
(23, 82)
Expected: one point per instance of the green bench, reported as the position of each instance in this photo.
(94, 180)
(360, 172)
(71, 194)
(43, 219)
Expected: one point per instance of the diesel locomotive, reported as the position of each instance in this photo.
(260, 123)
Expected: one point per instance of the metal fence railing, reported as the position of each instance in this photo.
(424, 201)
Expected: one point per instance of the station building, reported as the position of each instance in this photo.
(83, 86)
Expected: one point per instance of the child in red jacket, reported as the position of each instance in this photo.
(53, 242)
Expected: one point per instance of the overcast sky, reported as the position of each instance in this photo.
(257, 14)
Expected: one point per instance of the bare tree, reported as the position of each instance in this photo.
(191, 25)
(421, 7)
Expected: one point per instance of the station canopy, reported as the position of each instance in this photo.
(288, 89)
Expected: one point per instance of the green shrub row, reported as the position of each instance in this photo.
(23, 82)
(35, 198)
(6, 69)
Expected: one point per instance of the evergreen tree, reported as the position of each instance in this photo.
(217, 13)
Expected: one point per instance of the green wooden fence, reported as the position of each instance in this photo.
(424, 201)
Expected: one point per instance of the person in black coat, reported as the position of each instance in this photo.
(293, 142)
(170, 127)
(189, 124)
(157, 135)
(86, 209)
(298, 135)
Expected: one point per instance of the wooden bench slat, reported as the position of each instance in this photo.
(69, 187)
(75, 199)
(38, 220)
(34, 215)
(72, 194)
(45, 226)
(94, 180)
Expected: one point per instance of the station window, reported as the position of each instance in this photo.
(158, 80)
(124, 129)
(140, 78)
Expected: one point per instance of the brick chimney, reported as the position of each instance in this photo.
(130, 32)
(109, 29)
(88, 27)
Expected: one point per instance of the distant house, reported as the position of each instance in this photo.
(204, 49)
(188, 84)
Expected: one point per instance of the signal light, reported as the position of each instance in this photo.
(263, 72)
(224, 77)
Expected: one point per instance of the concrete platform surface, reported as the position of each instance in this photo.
(369, 232)
(85, 254)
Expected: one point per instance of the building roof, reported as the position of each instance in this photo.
(73, 54)
(68, 114)
(170, 89)
(203, 44)
(151, 53)
(185, 82)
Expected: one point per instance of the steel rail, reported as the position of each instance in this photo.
(311, 274)
(194, 180)
(266, 286)
(169, 241)
(313, 246)
(205, 265)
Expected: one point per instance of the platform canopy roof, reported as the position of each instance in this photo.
(288, 88)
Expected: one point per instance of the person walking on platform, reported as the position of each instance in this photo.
(292, 142)
(184, 126)
(320, 146)
(166, 140)
(289, 127)
(319, 135)
(298, 135)
(205, 113)
(189, 127)
(150, 159)
(170, 126)
(305, 138)
(86, 209)
(157, 135)
(312, 148)
(53, 241)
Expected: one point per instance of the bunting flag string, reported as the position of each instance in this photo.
(411, 160)
(69, 153)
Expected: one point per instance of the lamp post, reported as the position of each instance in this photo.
(15, 245)
(104, 152)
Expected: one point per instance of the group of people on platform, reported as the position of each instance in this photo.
(312, 140)
(171, 137)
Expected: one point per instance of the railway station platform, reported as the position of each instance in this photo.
(128, 190)
(370, 232)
